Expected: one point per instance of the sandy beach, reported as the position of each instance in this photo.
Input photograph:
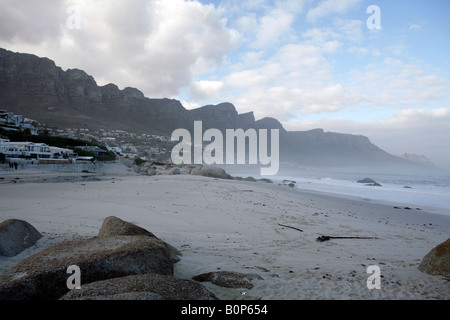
(245, 227)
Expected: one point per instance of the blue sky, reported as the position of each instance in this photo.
(308, 63)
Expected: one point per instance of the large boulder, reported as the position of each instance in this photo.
(228, 279)
(437, 261)
(44, 275)
(15, 236)
(113, 226)
(141, 287)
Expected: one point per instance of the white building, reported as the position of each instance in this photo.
(24, 149)
(33, 150)
(13, 122)
(62, 153)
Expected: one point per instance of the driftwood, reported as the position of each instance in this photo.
(326, 238)
(282, 225)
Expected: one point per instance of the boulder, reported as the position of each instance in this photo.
(228, 279)
(174, 171)
(437, 261)
(375, 184)
(44, 275)
(141, 287)
(15, 236)
(113, 226)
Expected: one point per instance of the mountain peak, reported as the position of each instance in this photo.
(38, 89)
(418, 158)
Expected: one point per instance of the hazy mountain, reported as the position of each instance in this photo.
(40, 90)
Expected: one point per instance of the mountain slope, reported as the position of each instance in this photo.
(38, 89)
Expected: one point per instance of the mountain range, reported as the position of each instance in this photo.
(40, 90)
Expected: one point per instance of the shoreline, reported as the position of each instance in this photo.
(107, 171)
(235, 226)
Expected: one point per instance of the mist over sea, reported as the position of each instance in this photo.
(413, 190)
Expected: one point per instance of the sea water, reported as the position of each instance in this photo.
(424, 191)
(405, 190)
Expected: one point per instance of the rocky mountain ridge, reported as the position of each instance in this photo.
(38, 89)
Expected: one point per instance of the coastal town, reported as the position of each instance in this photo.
(147, 147)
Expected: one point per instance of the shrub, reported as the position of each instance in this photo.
(139, 161)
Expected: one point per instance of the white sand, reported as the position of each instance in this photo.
(234, 226)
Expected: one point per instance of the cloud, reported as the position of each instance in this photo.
(396, 84)
(328, 7)
(22, 21)
(157, 46)
(351, 30)
(205, 89)
(420, 131)
(272, 28)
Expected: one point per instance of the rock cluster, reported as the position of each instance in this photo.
(155, 168)
(120, 250)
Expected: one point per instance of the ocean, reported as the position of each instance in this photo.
(431, 192)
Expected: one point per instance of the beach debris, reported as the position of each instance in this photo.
(282, 225)
(406, 208)
(327, 238)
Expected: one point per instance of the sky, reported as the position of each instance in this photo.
(375, 68)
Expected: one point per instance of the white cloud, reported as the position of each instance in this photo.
(205, 89)
(328, 7)
(272, 28)
(157, 46)
(396, 84)
(351, 30)
(280, 68)
(22, 21)
(420, 131)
